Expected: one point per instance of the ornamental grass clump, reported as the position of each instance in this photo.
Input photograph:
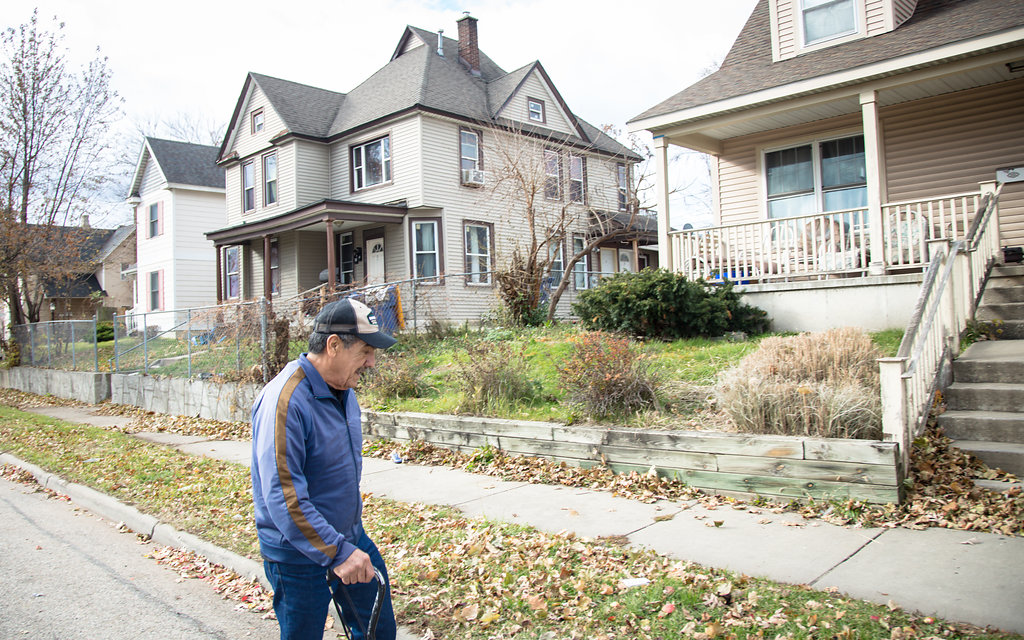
(813, 384)
(494, 375)
(606, 375)
(394, 377)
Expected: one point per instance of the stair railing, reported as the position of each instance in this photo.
(952, 287)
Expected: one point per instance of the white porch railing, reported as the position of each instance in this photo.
(949, 295)
(822, 244)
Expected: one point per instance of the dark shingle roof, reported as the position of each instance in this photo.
(418, 78)
(188, 163)
(748, 67)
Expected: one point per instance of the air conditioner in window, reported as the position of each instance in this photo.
(473, 177)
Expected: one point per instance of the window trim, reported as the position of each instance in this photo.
(439, 251)
(815, 144)
(582, 181)
(559, 252)
(622, 185)
(275, 266)
(543, 110)
(479, 148)
(836, 38)
(266, 183)
(227, 274)
(548, 177)
(582, 266)
(466, 224)
(255, 127)
(387, 170)
(252, 187)
(155, 226)
(158, 292)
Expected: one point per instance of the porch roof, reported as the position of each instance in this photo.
(306, 216)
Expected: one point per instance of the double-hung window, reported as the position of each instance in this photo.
(827, 19)
(231, 273)
(622, 178)
(557, 265)
(248, 187)
(535, 109)
(425, 255)
(275, 266)
(580, 269)
(269, 179)
(347, 245)
(552, 175)
(577, 185)
(257, 121)
(154, 220)
(469, 148)
(371, 163)
(156, 279)
(478, 253)
(821, 176)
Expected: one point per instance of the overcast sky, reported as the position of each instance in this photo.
(610, 59)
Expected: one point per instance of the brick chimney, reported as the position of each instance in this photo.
(469, 49)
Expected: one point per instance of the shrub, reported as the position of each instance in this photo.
(492, 374)
(104, 331)
(823, 384)
(662, 304)
(395, 376)
(606, 375)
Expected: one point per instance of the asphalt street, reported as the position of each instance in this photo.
(68, 574)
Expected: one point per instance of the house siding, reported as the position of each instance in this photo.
(251, 146)
(195, 260)
(535, 87)
(877, 16)
(152, 177)
(309, 163)
(787, 32)
(902, 10)
(950, 143)
(405, 165)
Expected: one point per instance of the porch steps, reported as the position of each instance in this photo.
(985, 403)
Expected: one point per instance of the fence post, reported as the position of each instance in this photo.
(145, 345)
(238, 353)
(188, 341)
(74, 360)
(49, 348)
(415, 318)
(894, 405)
(96, 342)
(264, 364)
(117, 363)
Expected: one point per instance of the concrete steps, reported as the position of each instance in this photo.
(985, 403)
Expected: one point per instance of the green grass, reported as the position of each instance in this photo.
(470, 578)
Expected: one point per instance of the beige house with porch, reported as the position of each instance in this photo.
(846, 136)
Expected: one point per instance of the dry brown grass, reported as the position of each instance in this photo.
(820, 384)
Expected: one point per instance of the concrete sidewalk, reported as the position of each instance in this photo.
(957, 575)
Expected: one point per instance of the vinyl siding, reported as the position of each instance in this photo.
(739, 166)
(535, 87)
(412, 43)
(195, 259)
(251, 146)
(152, 178)
(311, 257)
(405, 165)
(309, 166)
(878, 15)
(949, 143)
(788, 34)
(902, 10)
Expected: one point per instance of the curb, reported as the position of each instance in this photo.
(103, 505)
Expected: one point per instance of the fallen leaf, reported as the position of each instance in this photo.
(667, 610)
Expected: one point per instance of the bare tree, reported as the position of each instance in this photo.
(548, 181)
(54, 142)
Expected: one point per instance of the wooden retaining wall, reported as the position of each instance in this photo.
(782, 467)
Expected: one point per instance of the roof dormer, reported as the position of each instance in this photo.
(801, 26)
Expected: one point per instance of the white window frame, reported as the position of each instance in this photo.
(258, 120)
(475, 159)
(416, 251)
(582, 181)
(155, 293)
(275, 266)
(228, 274)
(535, 110)
(622, 181)
(552, 178)
(557, 255)
(248, 186)
(581, 279)
(855, 6)
(819, 190)
(482, 275)
(270, 194)
(348, 275)
(358, 158)
(154, 220)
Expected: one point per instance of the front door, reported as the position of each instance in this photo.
(374, 251)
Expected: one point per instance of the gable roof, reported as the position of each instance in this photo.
(181, 163)
(748, 67)
(416, 78)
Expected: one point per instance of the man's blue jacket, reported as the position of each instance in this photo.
(306, 465)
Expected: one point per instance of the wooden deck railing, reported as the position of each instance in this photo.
(952, 285)
(823, 244)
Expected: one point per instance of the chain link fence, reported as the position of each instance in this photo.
(59, 344)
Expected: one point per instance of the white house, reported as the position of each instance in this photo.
(178, 192)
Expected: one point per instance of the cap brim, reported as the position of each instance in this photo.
(378, 340)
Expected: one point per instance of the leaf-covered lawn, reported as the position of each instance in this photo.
(457, 577)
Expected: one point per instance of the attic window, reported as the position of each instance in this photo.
(827, 19)
(535, 108)
(257, 121)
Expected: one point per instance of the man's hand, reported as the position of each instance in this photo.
(356, 568)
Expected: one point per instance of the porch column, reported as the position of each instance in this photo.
(268, 289)
(220, 276)
(873, 164)
(330, 256)
(661, 182)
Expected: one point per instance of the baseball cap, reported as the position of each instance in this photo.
(352, 317)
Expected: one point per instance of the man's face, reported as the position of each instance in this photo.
(346, 365)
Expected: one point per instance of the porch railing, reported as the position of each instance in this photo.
(952, 286)
(822, 244)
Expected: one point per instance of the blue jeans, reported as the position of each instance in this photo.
(302, 599)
